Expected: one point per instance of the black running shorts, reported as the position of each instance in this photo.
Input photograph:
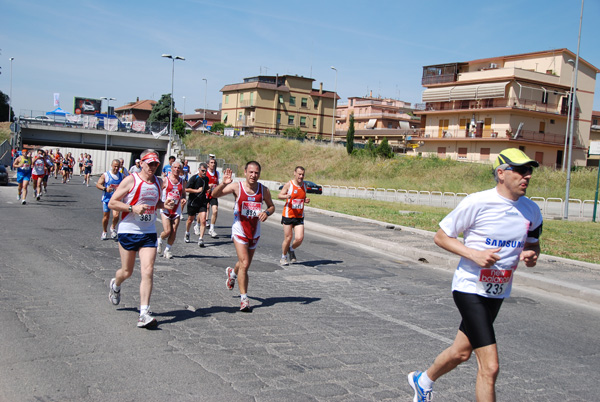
(478, 314)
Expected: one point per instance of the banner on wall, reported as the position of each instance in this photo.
(89, 106)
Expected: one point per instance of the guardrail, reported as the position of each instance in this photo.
(550, 207)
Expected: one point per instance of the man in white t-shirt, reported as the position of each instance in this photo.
(501, 227)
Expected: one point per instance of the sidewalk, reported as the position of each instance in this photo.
(558, 276)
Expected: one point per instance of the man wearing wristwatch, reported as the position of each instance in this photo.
(108, 183)
(138, 197)
(247, 216)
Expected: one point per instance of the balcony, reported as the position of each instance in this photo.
(247, 104)
(504, 103)
(489, 135)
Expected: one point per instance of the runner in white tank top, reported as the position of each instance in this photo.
(249, 216)
(138, 197)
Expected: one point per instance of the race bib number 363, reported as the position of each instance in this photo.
(493, 281)
(250, 209)
(148, 215)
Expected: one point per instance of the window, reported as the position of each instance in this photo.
(278, 118)
(316, 103)
(484, 154)
(443, 127)
(292, 101)
(303, 121)
(462, 153)
(240, 116)
(226, 99)
(291, 120)
(542, 127)
(539, 157)
(281, 99)
(304, 102)
(314, 122)
(441, 152)
(225, 118)
(251, 98)
(241, 97)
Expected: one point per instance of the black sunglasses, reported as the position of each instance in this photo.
(522, 170)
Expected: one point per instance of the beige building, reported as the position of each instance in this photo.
(377, 118)
(270, 104)
(472, 110)
(593, 160)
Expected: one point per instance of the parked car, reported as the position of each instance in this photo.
(3, 176)
(311, 187)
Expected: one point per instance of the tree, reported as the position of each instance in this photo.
(294, 132)
(179, 127)
(4, 108)
(384, 150)
(350, 136)
(217, 127)
(161, 111)
(370, 147)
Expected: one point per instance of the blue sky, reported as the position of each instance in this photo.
(113, 48)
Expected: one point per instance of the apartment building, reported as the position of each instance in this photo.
(472, 110)
(133, 111)
(377, 118)
(270, 104)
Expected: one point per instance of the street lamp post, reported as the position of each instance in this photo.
(184, 114)
(569, 100)
(334, 102)
(106, 130)
(572, 125)
(205, 91)
(168, 56)
(10, 102)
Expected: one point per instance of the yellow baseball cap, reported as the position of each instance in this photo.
(514, 157)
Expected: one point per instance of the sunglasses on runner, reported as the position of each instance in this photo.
(522, 170)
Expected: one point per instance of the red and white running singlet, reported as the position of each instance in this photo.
(173, 192)
(246, 209)
(142, 192)
(213, 178)
(294, 206)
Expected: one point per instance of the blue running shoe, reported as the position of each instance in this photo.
(421, 395)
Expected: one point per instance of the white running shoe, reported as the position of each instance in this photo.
(230, 283)
(113, 295)
(113, 233)
(104, 236)
(168, 254)
(161, 246)
(146, 320)
(186, 238)
(284, 261)
(200, 243)
(212, 233)
(197, 230)
(245, 306)
(23, 202)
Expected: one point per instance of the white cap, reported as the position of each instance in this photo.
(137, 160)
(211, 155)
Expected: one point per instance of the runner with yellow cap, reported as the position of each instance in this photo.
(501, 227)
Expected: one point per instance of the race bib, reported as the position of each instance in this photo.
(493, 282)
(174, 195)
(113, 186)
(298, 204)
(250, 209)
(147, 216)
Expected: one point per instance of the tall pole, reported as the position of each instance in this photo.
(205, 91)
(334, 102)
(569, 100)
(107, 99)
(10, 101)
(168, 56)
(566, 214)
(184, 114)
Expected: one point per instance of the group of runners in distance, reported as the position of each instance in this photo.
(37, 166)
(501, 227)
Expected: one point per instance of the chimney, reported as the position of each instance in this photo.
(370, 93)
(321, 88)
(138, 99)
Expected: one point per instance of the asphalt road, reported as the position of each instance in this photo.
(346, 323)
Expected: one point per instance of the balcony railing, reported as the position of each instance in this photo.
(513, 103)
(524, 135)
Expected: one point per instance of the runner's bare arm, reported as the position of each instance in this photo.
(283, 194)
(100, 183)
(116, 203)
(227, 186)
(483, 258)
(270, 206)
